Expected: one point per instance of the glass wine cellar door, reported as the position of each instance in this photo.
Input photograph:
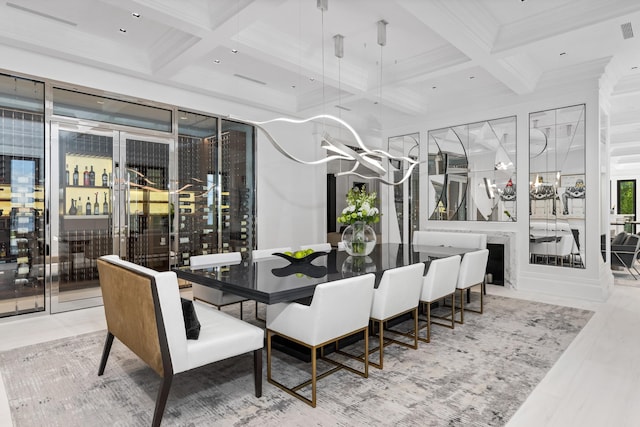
(113, 199)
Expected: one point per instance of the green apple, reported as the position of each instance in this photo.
(288, 253)
(299, 254)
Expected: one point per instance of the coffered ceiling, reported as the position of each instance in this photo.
(438, 54)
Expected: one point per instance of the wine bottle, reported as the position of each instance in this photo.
(86, 176)
(75, 176)
(79, 206)
(105, 179)
(88, 207)
(96, 206)
(92, 177)
(105, 206)
(66, 175)
(73, 210)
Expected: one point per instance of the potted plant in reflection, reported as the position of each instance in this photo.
(359, 237)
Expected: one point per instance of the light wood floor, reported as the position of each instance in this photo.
(596, 382)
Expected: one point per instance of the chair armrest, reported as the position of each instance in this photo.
(291, 319)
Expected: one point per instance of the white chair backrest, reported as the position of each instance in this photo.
(318, 247)
(473, 268)
(258, 254)
(203, 261)
(340, 307)
(565, 245)
(441, 278)
(448, 238)
(398, 291)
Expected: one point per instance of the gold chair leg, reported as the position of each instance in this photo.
(314, 366)
(462, 309)
(380, 348)
(415, 328)
(428, 339)
(428, 322)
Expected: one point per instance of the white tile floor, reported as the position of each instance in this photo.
(596, 382)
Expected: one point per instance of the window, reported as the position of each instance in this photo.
(627, 197)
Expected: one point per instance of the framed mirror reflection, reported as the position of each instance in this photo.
(472, 171)
(557, 187)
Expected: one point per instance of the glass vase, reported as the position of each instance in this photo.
(359, 239)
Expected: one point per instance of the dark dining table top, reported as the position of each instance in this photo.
(273, 280)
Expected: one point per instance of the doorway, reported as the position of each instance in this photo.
(113, 198)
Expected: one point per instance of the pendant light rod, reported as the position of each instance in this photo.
(323, 5)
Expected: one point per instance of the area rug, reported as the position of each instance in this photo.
(475, 375)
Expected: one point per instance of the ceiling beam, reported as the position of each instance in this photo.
(472, 30)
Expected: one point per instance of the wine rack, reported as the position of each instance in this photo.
(215, 209)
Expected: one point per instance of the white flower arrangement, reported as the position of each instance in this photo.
(360, 207)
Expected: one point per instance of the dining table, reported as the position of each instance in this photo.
(275, 279)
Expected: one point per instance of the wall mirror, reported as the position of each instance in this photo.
(404, 206)
(472, 171)
(557, 187)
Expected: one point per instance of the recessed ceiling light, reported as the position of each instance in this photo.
(122, 30)
(135, 15)
(375, 102)
(433, 87)
(312, 79)
(234, 50)
(634, 68)
(293, 86)
(100, 102)
(183, 117)
(472, 77)
(563, 53)
(217, 61)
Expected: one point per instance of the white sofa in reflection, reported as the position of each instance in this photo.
(450, 238)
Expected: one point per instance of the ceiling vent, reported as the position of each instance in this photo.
(627, 30)
(343, 108)
(260, 82)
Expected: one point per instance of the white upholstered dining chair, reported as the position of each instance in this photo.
(258, 254)
(397, 294)
(212, 296)
(440, 282)
(473, 268)
(339, 309)
(318, 247)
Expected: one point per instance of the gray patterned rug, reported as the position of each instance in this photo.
(475, 375)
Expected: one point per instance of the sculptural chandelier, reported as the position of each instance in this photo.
(369, 163)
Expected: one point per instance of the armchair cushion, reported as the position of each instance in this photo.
(191, 323)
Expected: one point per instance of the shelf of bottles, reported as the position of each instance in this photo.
(87, 192)
(215, 209)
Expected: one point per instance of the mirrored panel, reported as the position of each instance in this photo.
(472, 171)
(557, 187)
